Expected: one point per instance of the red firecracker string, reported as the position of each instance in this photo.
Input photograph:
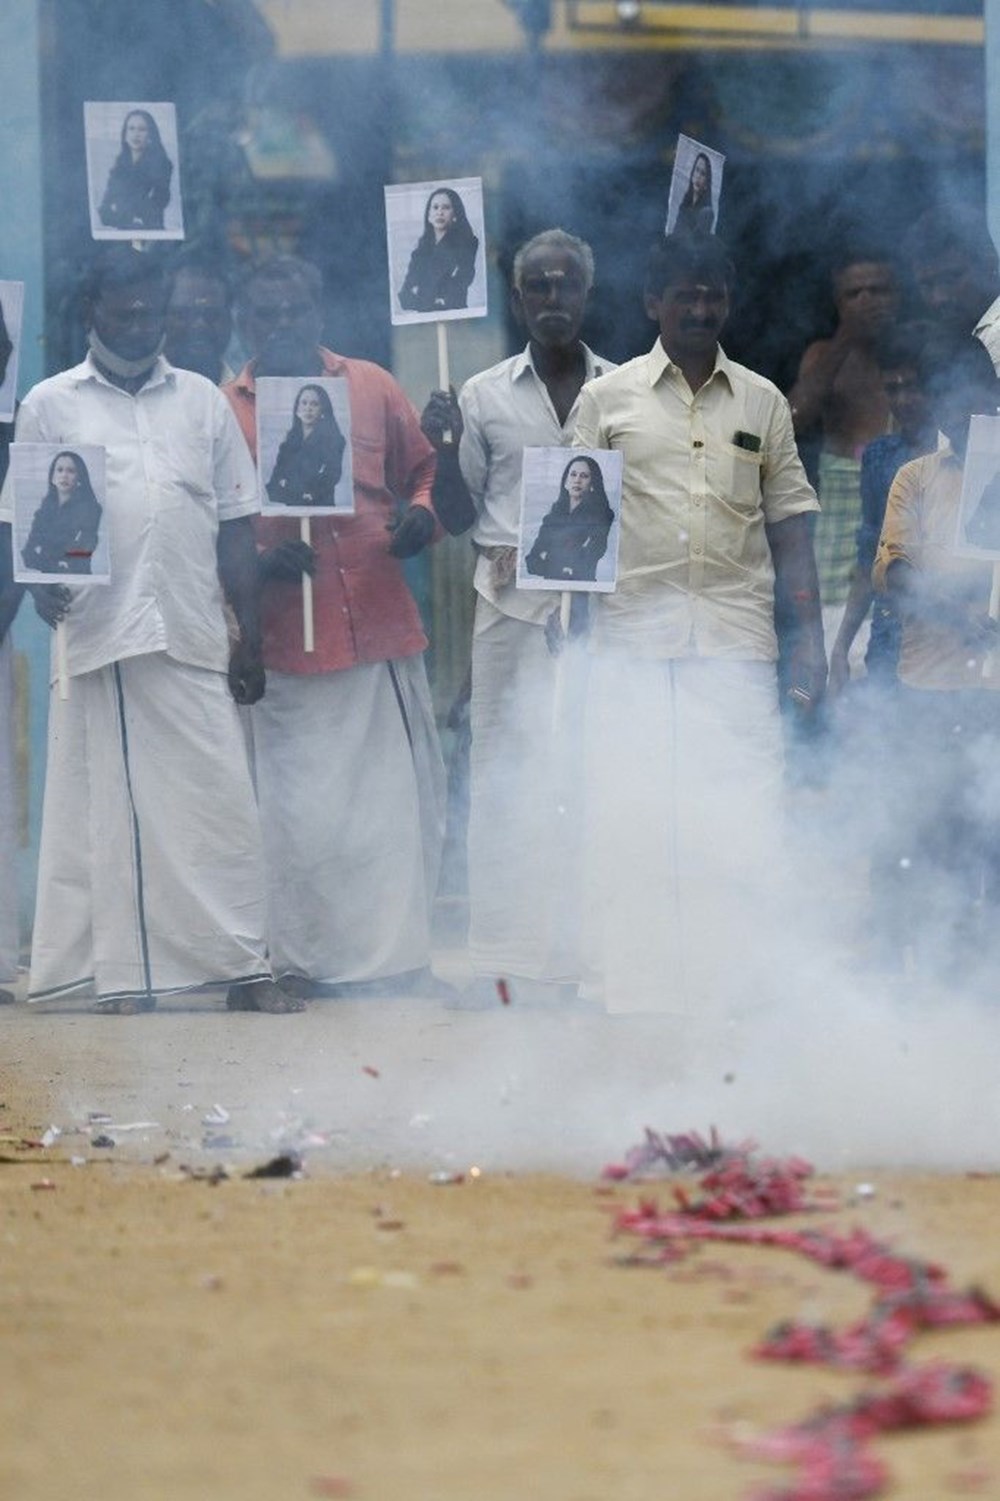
(828, 1450)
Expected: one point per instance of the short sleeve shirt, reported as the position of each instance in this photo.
(176, 466)
(505, 410)
(362, 607)
(921, 521)
(704, 474)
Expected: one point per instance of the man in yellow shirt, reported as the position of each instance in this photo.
(949, 666)
(685, 757)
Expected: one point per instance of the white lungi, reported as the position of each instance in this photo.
(351, 789)
(8, 820)
(684, 833)
(150, 869)
(524, 807)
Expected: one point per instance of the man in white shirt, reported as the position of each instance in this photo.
(150, 868)
(521, 861)
(684, 741)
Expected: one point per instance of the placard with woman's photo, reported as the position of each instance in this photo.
(59, 535)
(570, 513)
(979, 509)
(695, 188)
(304, 446)
(133, 175)
(437, 250)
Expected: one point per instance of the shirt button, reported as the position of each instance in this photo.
(697, 552)
(698, 444)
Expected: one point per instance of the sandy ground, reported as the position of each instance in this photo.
(366, 1331)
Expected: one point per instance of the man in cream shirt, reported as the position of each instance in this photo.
(684, 740)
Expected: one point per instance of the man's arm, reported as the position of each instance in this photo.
(821, 364)
(443, 427)
(409, 474)
(874, 494)
(898, 572)
(920, 597)
(238, 570)
(859, 601)
(796, 580)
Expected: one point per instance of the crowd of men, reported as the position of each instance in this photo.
(224, 808)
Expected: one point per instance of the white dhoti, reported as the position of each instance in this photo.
(150, 873)
(684, 834)
(8, 821)
(351, 789)
(524, 813)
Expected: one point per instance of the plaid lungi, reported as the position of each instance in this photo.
(835, 538)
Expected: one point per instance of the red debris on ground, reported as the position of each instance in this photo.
(331, 1485)
(877, 1343)
(503, 991)
(829, 1450)
(741, 1190)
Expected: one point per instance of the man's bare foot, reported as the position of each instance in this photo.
(124, 1005)
(262, 995)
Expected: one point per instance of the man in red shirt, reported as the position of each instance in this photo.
(349, 773)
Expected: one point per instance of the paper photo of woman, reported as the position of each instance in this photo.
(697, 211)
(310, 460)
(65, 529)
(982, 530)
(573, 537)
(978, 530)
(131, 167)
(138, 187)
(304, 459)
(436, 239)
(443, 263)
(571, 542)
(695, 188)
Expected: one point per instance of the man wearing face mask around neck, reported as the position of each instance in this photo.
(150, 870)
(684, 740)
(348, 767)
(949, 668)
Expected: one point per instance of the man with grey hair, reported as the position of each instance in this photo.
(519, 861)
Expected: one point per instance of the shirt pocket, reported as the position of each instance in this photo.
(368, 460)
(184, 468)
(740, 472)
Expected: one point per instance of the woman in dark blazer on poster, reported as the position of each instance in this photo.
(443, 265)
(138, 187)
(311, 457)
(65, 528)
(696, 214)
(573, 537)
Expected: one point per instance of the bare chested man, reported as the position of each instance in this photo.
(839, 394)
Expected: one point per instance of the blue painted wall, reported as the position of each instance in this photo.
(21, 259)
